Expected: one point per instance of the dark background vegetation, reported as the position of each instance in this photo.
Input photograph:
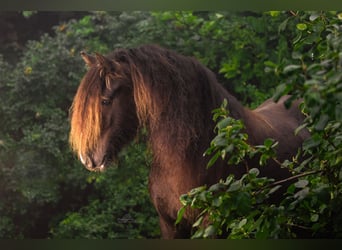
(46, 193)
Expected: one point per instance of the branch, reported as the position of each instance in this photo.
(290, 179)
(294, 177)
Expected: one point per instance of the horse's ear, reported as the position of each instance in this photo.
(104, 62)
(88, 59)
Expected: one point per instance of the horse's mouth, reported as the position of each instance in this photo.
(90, 164)
(100, 168)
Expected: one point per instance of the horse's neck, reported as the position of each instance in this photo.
(164, 151)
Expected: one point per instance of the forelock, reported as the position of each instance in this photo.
(86, 113)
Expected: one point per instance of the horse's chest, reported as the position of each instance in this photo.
(165, 189)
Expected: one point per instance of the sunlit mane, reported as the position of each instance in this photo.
(85, 114)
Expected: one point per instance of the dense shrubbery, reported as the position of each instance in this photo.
(45, 191)
(42, 182)
(311, 206)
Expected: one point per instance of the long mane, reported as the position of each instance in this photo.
(86, 114)
(174, 96)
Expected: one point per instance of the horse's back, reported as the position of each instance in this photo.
(274, 120)
(279, 109)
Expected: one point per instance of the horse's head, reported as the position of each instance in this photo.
(103, 113)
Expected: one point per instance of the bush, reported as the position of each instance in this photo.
(122, 209)
(310, 207)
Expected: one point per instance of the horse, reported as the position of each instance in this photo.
(172, 96)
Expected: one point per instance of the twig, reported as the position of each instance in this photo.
(295, 177)
(293, 13)
(299, 226)
(290, 179)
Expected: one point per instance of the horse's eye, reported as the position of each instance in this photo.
(106, 102)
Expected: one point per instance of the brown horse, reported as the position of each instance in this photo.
(173, 97)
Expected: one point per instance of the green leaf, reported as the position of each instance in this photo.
(339, 16)
(312, 142)
(274, 189)
(229, 149)
(198, 222)
(302, 193)
(290, 68)
(242, 222)
(322, 122)
(229, 179)
(234, 186)
(213, 159)
(297, 55)
(198, 234)
(263, 159)
(274, 13)
(283, 25)
(217, 202)
(301, 26)
(303, 126)
(254, 171)
(180, 214)
(224, 123)
(209, 231)
(314, 217)
(268, 142)
(314, 16)
(270, 64)
(216, 187)
(279, 92)
(197, 190)
(301, 183)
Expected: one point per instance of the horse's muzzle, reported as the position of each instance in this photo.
(90, 164)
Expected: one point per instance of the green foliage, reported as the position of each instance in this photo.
(41, 181)
(240, 208)
(122, 210)
(244, 47)
(35, 132)
(229, 141)
(231, 144)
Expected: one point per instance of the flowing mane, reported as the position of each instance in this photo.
(86, 114)
(172, 96)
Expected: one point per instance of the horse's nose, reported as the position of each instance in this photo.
(87, 162)
(90, 164)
